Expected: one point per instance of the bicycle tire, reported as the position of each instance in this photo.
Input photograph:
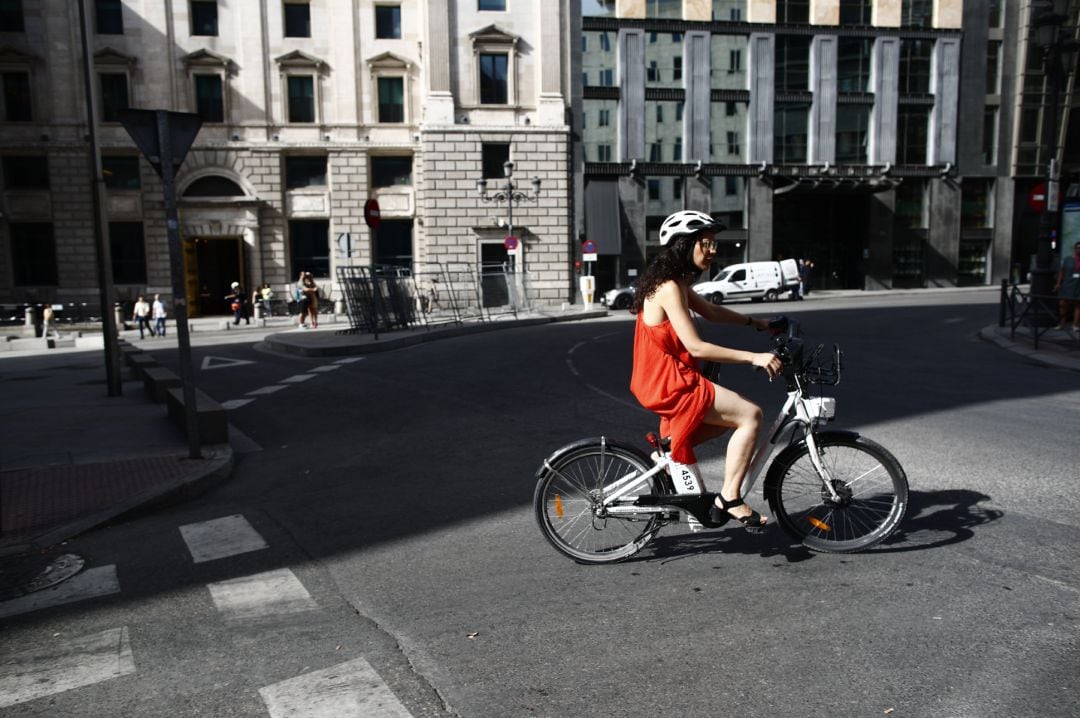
(566, 508)
(866, 514)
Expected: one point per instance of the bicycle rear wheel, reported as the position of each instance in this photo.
(871, 486)
(568, 507)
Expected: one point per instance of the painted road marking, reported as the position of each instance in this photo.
(264, 594)
(349, 360)
(298, 378)
(223, 362)
(220, 538)
(63, 665)
(235, 403)
(352, 689)
(268, 389)
(91, 583)
(328, 367)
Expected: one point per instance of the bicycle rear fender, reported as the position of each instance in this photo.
(784, 457)
(591, 441)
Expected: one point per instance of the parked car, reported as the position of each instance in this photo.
(620, 297)
(752, 280)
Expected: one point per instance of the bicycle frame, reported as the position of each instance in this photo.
(793, 416)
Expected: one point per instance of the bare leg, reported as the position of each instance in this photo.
(729, 410)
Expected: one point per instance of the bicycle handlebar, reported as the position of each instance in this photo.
(789, 348)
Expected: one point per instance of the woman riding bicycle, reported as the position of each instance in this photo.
(666, 378)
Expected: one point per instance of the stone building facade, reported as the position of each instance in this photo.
(310, 108)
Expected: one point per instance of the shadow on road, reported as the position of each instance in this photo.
(934, 519)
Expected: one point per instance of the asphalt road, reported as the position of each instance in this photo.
(398, 487)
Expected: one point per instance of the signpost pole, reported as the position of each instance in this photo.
(176, 267)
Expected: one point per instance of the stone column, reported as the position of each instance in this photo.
(551, 109)
(1001, 249)
(697, 110)
(879, 243)
(759, 114)
(823, 54)
(886, 88)
(631, 94)
(943, 242)
(759, 223)
(945, 85)
(439, 103)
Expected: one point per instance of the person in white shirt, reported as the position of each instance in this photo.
(159, 315)
(141, 316)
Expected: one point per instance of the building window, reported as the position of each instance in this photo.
(676, 67)
(305, 171)
(128, 250)
(852, 129)
(491, 5)
(677, 156)
(26, 172)
(789, 146)
(654, 188)
(209, 98)
(603, 153)
(659, 113)
(913, 204)
(994, 14)
(11, 16)
(204, 20)
(652, 72)
(855, 12)
(793, 11)
(391, 99)
(33, 254)
(114, 95)
(301, 98)
(654, 152)
(607, 78)
(213, 186)
(993, 68)
(977, 204)
(493, 78)
(915, 66)
(911, 136)
(388, 22)
(297, 19)
(733, 147)
(309, 246)
(493, 155)
(853, 64)
(16, 97)
(989, 137)
(792, 63)
(390, 171)
(728, 10)
(393, 243)
(121, 172)
(916, 13)
(108, 17)
(671, 9)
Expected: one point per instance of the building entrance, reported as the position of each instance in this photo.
(211, 265)
(831, 230)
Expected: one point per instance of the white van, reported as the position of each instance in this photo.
(752, 280)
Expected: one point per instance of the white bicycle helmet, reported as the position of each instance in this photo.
(686, 222)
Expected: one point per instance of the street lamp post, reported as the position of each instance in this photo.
(1058, 57)
(509, 193)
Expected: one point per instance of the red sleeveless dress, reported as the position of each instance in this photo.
(666, 381)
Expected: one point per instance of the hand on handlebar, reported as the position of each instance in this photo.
(769, 362)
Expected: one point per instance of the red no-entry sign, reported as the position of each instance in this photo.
(1037, 197)
(371, 213)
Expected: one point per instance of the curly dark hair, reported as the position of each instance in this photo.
(675, 261)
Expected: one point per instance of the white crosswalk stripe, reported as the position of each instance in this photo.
(267, 389)
(91, 583)
(235, 403)
(220, 538)
(327, 367)
(264, 594)
(349, 360)
(63, 665)
(297, 378)
(348, 689)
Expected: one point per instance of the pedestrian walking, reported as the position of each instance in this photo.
(236, 300)
(47, 318)
(158, 314)
(1068, 290)
(266, 296)
(141, 316)
(308, 292)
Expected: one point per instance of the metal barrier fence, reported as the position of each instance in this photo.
(384, 298)
(1037, 312)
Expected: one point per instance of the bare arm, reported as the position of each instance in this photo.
(722, 315)
(673, 299)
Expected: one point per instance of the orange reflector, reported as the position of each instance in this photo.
(558, 506)
(818, 524)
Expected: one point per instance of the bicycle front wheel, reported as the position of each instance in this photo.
(569, 507)
(871, 489)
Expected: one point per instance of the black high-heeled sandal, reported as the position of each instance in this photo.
(751, 522)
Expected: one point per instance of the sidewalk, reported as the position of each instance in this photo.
(73, 458)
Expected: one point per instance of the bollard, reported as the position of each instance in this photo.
(1003, 302)
(31, 321)
(258, 311)
(118, 311)
(339, 307)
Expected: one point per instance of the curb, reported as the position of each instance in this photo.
(279, 342)
(222, 460)
(993, 335)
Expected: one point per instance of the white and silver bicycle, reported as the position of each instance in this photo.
(601, 501)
